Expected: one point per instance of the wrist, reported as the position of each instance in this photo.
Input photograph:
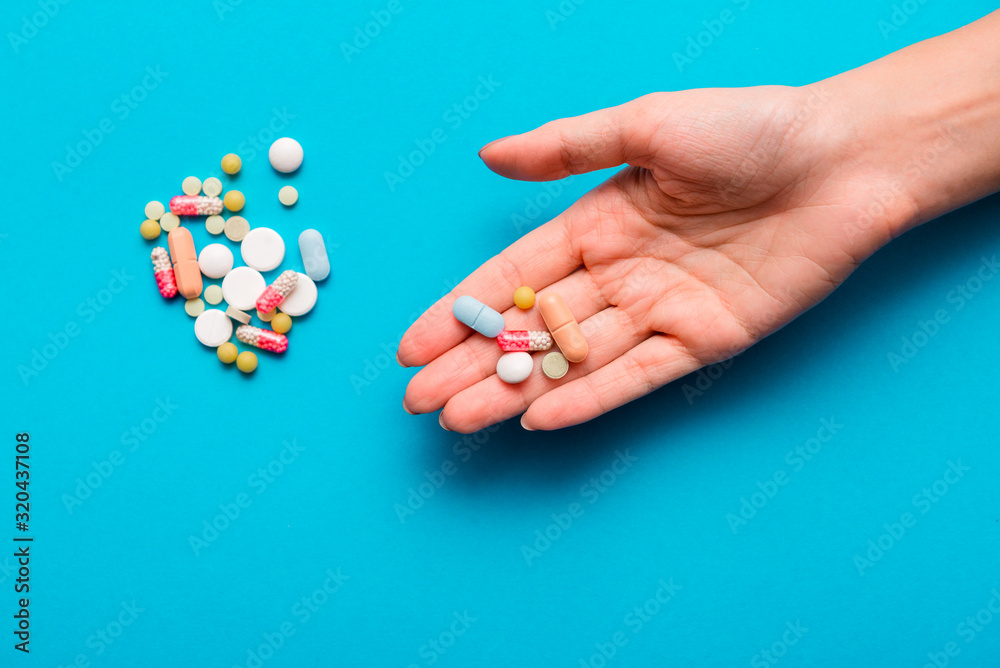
(924, 125)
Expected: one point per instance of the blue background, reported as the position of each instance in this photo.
(336, 396)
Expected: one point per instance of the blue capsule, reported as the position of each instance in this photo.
(478, 316)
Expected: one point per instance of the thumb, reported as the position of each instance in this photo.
(598, 140)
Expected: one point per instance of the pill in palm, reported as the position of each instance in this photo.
(164, 272)
(264, 339)
(520, 340)
(564, 327)
(524, 297)
(277, 291)
(478, 316)
(195, 205)
(514, 367)
(555, 366)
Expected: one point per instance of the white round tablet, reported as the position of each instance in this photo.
(262, 248)
(212, 187)
(285, 154)
(215, 260)
(242, 286)
(213, 328)
(514, 367)
(300, 300)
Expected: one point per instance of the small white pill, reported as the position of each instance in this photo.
(262, 248)
(514, 367)
(300, 300)
(191, 185)
(288, 195)
(285, 154)
(212, 187)
(215, 260)
(213, 328)
(242, 286)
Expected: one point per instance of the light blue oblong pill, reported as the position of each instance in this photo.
(478, 316)
(314, 257)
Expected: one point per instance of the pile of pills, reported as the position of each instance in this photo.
(183, 270)
(516, 364)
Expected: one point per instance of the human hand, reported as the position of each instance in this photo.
(739, 210)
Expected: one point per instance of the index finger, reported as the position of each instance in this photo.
(538, 259)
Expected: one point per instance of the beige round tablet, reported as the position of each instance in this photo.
(212, 187)
(213, 294)
(237, 227)
(169, 221)
(266, 317)
(215, 224)
(288, 195)
(191, 185)
(154, 210)
(554, 365)
(194, 307)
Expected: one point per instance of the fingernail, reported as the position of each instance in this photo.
(400, 362)
(524, 426)
(441, 422)
(495, 141)
(407, 409)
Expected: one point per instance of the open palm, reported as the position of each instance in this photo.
(739, 210)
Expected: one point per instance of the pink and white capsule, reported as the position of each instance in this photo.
(164, 272)
(265, 339)
(277, 291)
(195, 205)
(522, 340)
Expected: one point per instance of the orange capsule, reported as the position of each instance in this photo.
(187, 273)
(564, 327)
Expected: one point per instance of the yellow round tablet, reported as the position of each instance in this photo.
(234, 200)
(213, 294)
(288, 195)
(191, 185)
(227, 353)
(231, 163)
(215, 224)
(169, 221)
(212, 187)
(150, 229)
(236, 228)
(194, 307)
(266, 317)
(281, 323)
(154, 210)
(246, 361)
(524, 297)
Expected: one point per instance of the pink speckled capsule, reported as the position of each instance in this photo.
(520, 340)
(195, 205)
(264, 339)
(277, 291)
(164, 272)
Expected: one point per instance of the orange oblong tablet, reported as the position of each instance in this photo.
(564, 327)
(187, 273)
